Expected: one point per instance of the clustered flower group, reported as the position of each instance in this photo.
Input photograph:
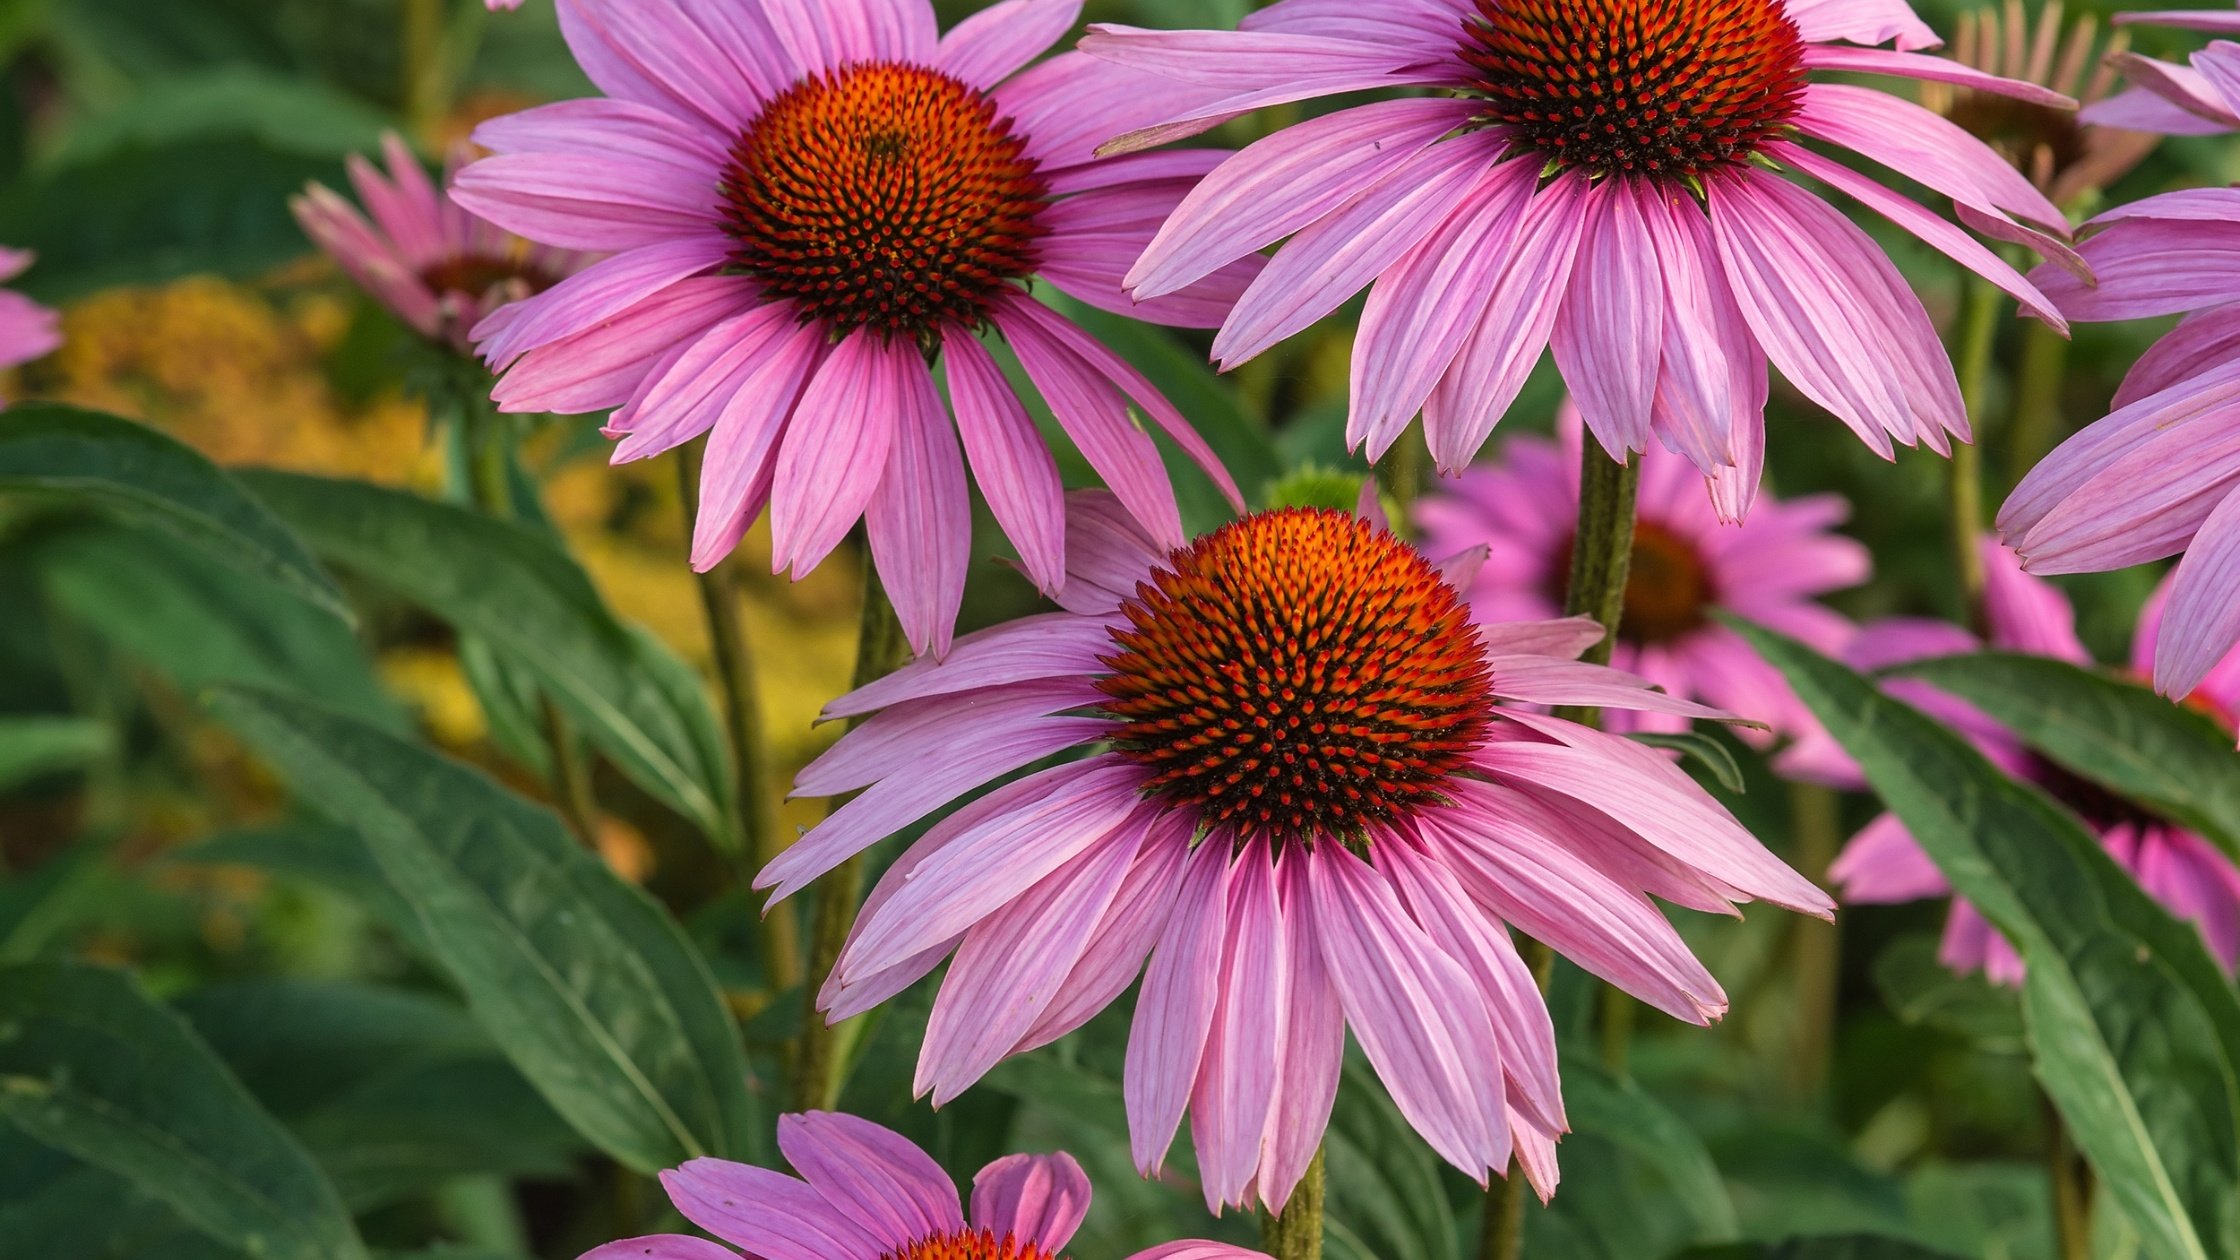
(1297, 777)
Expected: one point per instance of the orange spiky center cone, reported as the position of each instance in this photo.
(1299, 674)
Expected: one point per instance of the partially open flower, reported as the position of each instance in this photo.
(867, 1193)
(2065, 156)
(27, 329)
(1313, 796)
(435, 265)
(2187, 873)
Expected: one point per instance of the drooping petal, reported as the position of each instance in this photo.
(1313, 1049)
(1174, 1010)
(1236, 1087)
(1013, 466)
(919, 520)
(835, 451)
(1612, 310)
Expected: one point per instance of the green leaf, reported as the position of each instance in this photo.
(35, 746)
(1713, 756)
(115, 463)
(2134, 1027)
(330, 856)
(91, 1064)
(1386, 1193)
(36, 906)
(1637, 1180)
(198, 623)
(1920, 989)
(286, 113)
(586, 984)
(629, 696)
(2117, 734)
(1840, 1247)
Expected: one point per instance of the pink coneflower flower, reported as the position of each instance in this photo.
(1687, 566)
(809, 203)
(27, 329)
(2160, 475)
(2182, 870)
(1598, 175)
(2064, 155)
(867, 1193)
(1306, 804)
(435, 266)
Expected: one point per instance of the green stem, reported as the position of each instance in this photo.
(1816, 946)
(1400, 473)
(880, 648)
(423, 89)
(2035, 428)
(2072, 1200)
(1296, 1232)
(1503, 1235)
(757, 819)
(1977, 336)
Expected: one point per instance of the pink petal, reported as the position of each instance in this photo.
(1231, 1103)
(888, 1185)
(991, 45)
(1124, 937)
(603, 365)
(1612, 310)
(2200, 342)
(919, 520)
(1014, 468)
(1314, 1046)
(835, 450)
(737, 470)
(1045, 645)
(2027, 614)
(1913, 65)
(1040, 1200)
(2201, 623)
(1175, 1008)
(661, 1247)
(773, 1216)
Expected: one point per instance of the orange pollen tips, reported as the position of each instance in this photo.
(972, 1244)
(1670, 88)
(1298, 674)
(884, 195)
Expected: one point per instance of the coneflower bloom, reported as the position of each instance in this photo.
(2064, 155)
(867, 1193)
(27, 329)
(1599, 176)
(807, 205)
(1305, 802)
(1687, 566)
(2159, 475)
(433, 264)
(2185, 872)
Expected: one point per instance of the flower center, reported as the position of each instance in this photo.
(478, 274)
(1669, 592)
(1652, 87)
(1297, 674)
(2040, 142)
(972, 1244)
(2100, 808)
(884, 195)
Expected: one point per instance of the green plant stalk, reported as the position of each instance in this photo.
(2035, 428)
(1815, 947)
(1978, 334)
(1601, 560)
(757, 819)
(2072, 1200)
(1503, 1236)
(491, 486)
(1296, 1232)
(423, 90)
(820, 1054)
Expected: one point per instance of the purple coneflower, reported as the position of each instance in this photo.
(433, 264)
(1687, 566)
(2024, 614)
(1598, 175)
(1304, 802)
(867, 1193)
(2160, 474)
(27, 329)
(809, 203)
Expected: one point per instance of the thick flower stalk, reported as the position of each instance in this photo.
(1314, 797)
(2183, 870)
(2160, 475)
(27, 330)
(866, 1193)
(809, 206)
(434, 265)
(1688, 567)
(1611, 178)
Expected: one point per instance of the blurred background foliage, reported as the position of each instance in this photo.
(147, 149)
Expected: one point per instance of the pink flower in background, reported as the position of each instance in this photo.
(497, 5)
(2159, 475)
(1307, 805)
(1687, 566)
(808, 204)
(868, 1193)
(1592, 175)
(27, 329)
(433, 264)
(2182, 870)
